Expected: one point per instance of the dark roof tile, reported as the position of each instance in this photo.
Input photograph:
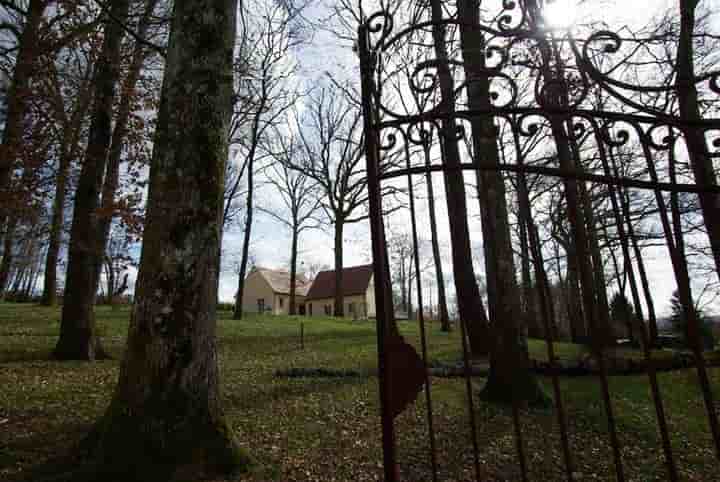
(355, 281)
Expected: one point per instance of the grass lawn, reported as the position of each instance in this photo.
(328, 429)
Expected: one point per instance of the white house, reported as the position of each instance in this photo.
(268, 291)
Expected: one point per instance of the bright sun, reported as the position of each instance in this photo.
(559, 13)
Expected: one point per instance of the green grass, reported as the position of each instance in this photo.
(328, 429)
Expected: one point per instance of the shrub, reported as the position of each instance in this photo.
(680, 325)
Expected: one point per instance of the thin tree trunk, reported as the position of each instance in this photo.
(112, 171)
(78, 337)
(293, 270)
(437, 259)
(645, 283)
(339, 295)
(470, 308)
(238, 311)
(576, 314)
(603, 332)
(69, 150)
(530, 314)
(7, 259)
(49, 296)
(18, 97)
(700, 160)
(166, 418)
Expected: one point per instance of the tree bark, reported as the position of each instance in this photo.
(293, 270)
(470, 306)
(49, 296)
(7, 259)
(510, 378)
(18, 94)
(700, 160)
(78, 337)
(603, 333)
(166, 420)
(339, 295)
(437, 259)
(529, 305)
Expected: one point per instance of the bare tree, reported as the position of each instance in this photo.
(331, 155)
(300, 203)
(263, 95)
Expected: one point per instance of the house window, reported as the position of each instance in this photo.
(351, 308)
(261, 305)
(310, 309)
(281, 302)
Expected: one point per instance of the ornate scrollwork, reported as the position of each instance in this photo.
(379, 26)
(566, 76)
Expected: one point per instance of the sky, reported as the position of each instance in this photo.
(270, 244)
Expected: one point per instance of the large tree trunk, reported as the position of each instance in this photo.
(510, 378)
(339, 295)
(78, 337)
(700, 160)
(166, 420)
(472, 313)
(293, 270)
(18, 94)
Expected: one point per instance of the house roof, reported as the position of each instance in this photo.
(279, 281)
(355, 281)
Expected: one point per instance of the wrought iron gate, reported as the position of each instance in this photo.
(541, 85)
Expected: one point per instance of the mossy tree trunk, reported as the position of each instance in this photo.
(78, 338)
(166, 421)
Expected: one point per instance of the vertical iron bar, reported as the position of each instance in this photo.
(693, 320)
(682, 279)
(471, 404)
(468, 383)
(652, 375)
(382, 302)
(592, 311)
(421, 316)
(548, 314)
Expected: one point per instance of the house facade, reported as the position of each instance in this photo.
(268, 291)
(358, 293)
